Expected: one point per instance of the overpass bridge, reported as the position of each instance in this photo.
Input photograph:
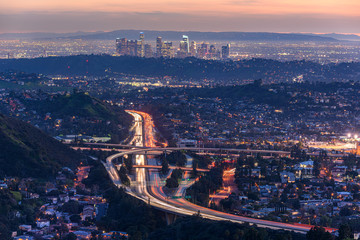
(154, 195)
(171, 167)
(193, 149)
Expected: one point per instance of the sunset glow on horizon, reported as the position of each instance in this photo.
(212, 15)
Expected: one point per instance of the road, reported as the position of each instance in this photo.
(148, 187)
(171, 167)
(229, 186)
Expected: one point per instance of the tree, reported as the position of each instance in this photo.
(137, 236)
(177, 173)
(72, 207)
(70, 236)
(129, 162)
(325, 220)
(350, 161)
(253, 196)
(61, 229)
(123, 177)
(345, 232)
(345, 211)
(4, 231)
(227, 203)
(194, 172)
(317, 167)
(352, 174)
(172, 183)
(252, 234)
(263, 170)
(318, 233)
(122, 170)
(177, 158)
(115, 138)
(75, 218)
(164, 167)
(257, 83)
(296, 204)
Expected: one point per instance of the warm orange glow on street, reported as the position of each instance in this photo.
(150, 139)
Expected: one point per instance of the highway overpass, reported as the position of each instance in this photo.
(154, 195)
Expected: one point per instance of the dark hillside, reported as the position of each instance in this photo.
(26, 151)
(186, 69)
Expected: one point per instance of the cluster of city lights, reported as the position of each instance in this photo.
(355, 136)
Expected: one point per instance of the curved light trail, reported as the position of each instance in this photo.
(148, 186)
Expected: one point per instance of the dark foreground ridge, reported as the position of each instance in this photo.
(26, 151)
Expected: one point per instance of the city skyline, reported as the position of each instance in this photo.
(248, 15)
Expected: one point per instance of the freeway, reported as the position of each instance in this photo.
(148, 185)
(171, 167)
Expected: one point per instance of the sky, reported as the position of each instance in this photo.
(318, 16)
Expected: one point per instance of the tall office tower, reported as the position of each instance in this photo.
(203, 50)
(139, 49)
(184, 47)
(182, 52)
(142, 36)
(167, 50)
(117, 43)
(132, 47)
(186, 43)
(192, 49)
(212, 52)
(225, 51)
(140, 45)
(148, 52)
(122, 46)
(159, 46)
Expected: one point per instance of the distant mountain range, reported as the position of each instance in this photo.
(193, 35)
(208, 36)
(341, 37)
(43, 35)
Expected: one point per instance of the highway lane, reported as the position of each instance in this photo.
(154, 194)
(186, 184)
(139, 159)
(139, 189)
(182, 204)
(186, 169)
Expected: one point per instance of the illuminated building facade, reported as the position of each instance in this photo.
(164, 48)
(225, 51)
(192, 49)
(203, 50)
(125, 47)
(184, 47)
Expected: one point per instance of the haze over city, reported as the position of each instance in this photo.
(214, 15)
